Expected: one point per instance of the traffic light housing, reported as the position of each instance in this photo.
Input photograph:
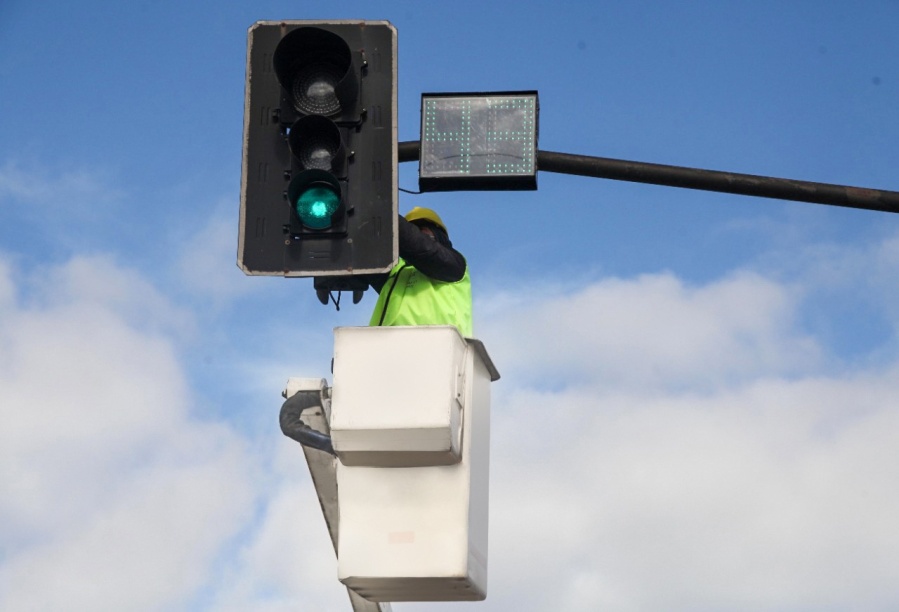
(319, 172)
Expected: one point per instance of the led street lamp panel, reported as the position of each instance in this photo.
(478, 141)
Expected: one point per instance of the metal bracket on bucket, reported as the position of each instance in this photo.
(292, 424)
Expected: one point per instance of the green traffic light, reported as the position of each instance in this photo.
(316, 197)
(315, 206)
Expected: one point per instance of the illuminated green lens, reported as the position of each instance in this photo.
(316, 205)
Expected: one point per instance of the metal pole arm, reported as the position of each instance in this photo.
(706, 180)
(712, 180)
(409, 150)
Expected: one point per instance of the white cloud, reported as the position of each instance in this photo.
(656, 445)
(113, 495)
(7, 287)
(660, 446)
(777, 494)
(35, 190)
(652, 330)
(289, 563)
(208, 264)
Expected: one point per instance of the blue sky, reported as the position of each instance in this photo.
(697, 408)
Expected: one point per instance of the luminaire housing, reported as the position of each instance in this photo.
(478, 141)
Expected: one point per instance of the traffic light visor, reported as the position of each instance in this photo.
(315, 67)
(315, 196)
(315, 142)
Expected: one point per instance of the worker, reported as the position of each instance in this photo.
(429, 285)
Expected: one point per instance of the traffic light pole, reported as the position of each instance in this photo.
(706, 180)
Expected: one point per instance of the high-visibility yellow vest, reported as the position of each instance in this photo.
(410, 297)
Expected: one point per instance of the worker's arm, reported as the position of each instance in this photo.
(440, 262)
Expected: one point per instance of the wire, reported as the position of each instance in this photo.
(408, 191)
(337, 301)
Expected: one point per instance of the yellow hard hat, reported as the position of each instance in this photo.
(426, 214)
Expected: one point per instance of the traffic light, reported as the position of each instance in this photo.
(319, 174)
